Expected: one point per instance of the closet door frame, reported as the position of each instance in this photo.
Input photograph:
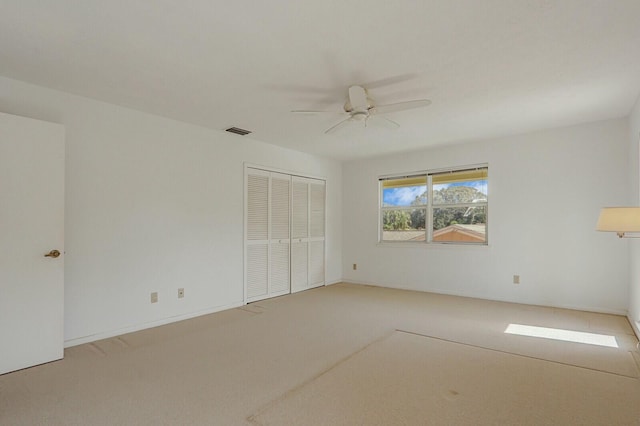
(263, 168)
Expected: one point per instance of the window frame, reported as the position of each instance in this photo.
(429, 207)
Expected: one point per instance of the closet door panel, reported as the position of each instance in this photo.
(280, 230)
(317, 229)
(280, 196)
(257, 271)
(300, 209)
(316, 264)
(257, 207)
(299, 266)
(279, 269)
(317, 195)
(300, 234)
(257, 244)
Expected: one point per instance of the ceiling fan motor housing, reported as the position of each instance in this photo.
(360, 115)
(360, 107)
(349, 108)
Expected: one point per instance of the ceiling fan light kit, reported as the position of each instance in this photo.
(360, 107)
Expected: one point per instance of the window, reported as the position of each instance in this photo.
(445, 206)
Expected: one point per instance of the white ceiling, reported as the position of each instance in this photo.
(491, 67)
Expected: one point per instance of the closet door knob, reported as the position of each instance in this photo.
(53, 253)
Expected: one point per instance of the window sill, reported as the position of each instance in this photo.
(438, 245)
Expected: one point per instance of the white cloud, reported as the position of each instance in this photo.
(402, 196)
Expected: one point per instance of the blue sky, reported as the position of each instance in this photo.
(404, 196)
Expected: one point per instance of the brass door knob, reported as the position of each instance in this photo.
(53, 253)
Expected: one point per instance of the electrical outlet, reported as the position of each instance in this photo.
(154, 297)
(355, 266)
(180, 293)
(516, 279)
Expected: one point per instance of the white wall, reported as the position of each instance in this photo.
(545, 193)
(634, 245)
(154, 204)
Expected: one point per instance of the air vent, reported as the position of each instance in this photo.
(238, 131)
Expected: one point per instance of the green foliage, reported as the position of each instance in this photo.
(398, 220)
(443, 217)
(457, 194)
(419, 218)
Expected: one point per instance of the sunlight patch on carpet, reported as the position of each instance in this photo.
(562, 334)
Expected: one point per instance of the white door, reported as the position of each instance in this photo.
(31, 225)
(257, 235)
(299, 234)
(267, 241)
(316, 233)
(279, 273)
(307, 233)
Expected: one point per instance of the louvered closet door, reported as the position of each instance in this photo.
(299, 234)
(279, 282)
(268, 239)
(316, 233)
(257, 234)
(284, 245)
(307, 233)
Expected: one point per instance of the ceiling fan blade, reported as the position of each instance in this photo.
(400, 106)
(358, 98)
(390, 123)
(381, 122)
(337, 126)
(303, 111)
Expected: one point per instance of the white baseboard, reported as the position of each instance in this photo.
(112, 333)
(595, 309)
(118, 332)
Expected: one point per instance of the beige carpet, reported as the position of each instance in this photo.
(407, 379)
(281, 361)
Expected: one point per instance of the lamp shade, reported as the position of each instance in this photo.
(619, 219)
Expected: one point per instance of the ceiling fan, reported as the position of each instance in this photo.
(360, 107)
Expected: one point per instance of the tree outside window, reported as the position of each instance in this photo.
(456, 212)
